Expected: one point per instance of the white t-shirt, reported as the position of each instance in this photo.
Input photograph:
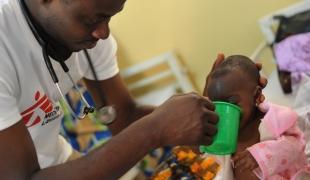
(27, 91)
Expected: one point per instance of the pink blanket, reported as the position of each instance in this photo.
(280, 154)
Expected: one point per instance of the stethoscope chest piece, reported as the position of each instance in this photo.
(106, 114)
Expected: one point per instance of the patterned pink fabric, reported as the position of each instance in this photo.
(293, 53)
(281, 157)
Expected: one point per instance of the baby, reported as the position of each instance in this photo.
(270, 146)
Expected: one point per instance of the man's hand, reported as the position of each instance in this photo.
(244, 161)
(219, 59)
(187, 119)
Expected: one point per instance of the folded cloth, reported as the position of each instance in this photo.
(293, 54)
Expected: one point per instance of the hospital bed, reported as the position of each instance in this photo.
(267, 24)
(299, 99)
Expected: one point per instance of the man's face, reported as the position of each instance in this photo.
(233, 88)
(79, 24)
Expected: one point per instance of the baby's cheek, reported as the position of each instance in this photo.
(242, 123)
(244, 119)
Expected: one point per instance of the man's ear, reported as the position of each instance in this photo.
(258, 95)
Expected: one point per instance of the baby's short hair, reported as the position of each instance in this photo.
(238, 62)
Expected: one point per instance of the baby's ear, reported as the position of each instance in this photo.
(258, 95)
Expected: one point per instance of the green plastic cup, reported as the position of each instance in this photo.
(225, 141)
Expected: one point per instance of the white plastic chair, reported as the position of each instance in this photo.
(169, 67)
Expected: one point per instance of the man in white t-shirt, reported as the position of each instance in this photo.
(30, 114)
(30, 144)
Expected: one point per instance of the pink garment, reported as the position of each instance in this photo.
(280, 154)
(293, 54)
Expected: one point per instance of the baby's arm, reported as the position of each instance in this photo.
(244, 161)
(244, 174)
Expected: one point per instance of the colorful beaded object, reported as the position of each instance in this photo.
(184, 163)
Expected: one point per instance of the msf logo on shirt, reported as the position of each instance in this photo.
(41, 112)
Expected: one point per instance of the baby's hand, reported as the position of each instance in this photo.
(244, 161)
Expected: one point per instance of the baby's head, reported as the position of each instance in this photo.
(236, 81)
